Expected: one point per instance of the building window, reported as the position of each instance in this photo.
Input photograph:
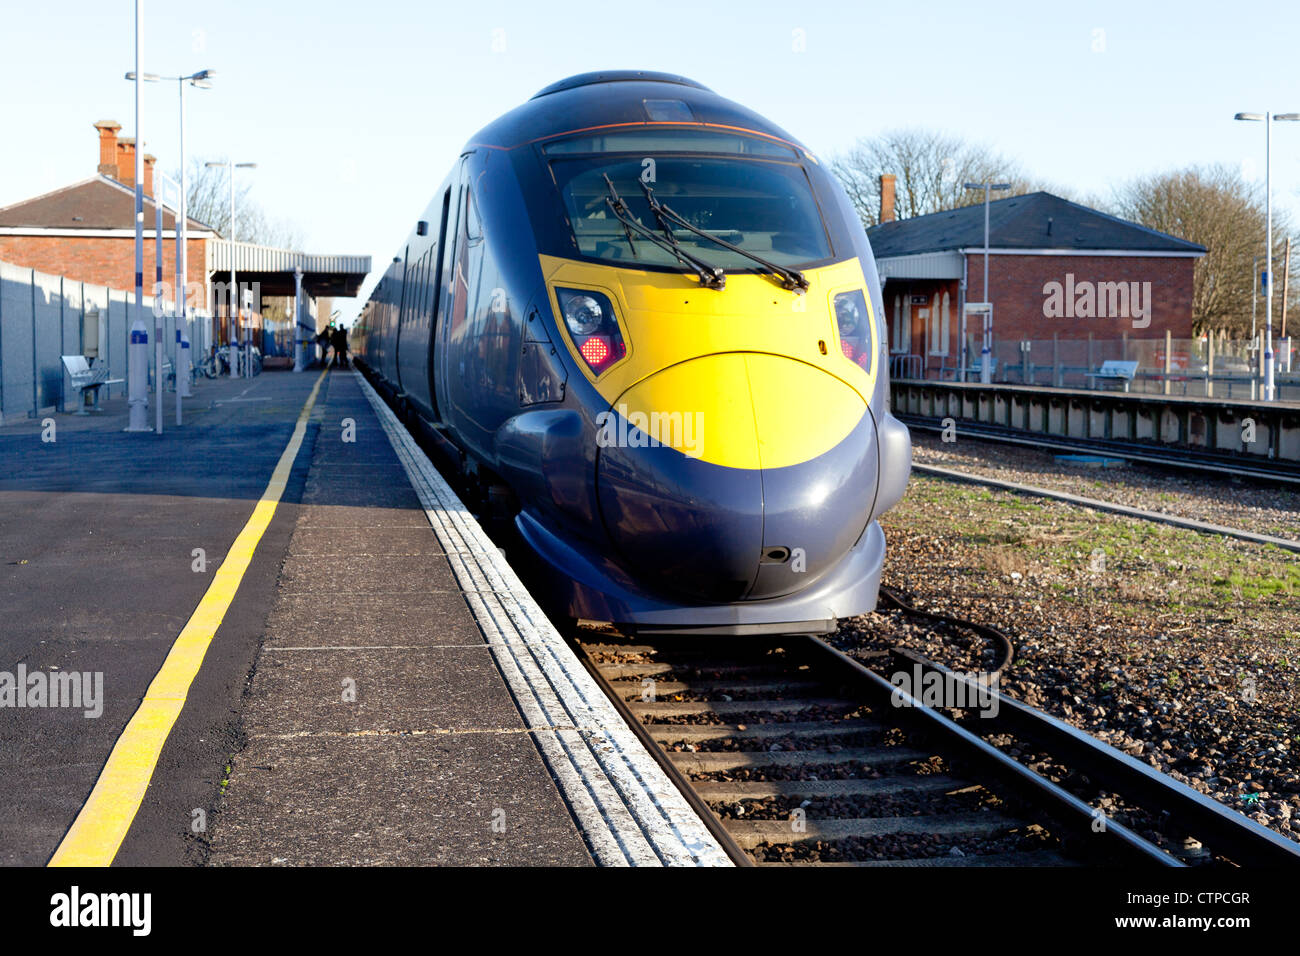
(939, 325)
(902, 339)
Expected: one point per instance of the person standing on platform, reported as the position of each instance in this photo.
(339, 339)
(323, 340)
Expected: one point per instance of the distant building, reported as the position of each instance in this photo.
(86, 231)
(1056, 268)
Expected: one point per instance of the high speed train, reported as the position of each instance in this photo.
(648, 323)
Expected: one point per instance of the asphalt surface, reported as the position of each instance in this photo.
(267, 763)
(97, 536)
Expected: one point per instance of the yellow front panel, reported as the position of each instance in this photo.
(801, 411)
(668, 318)
(702, 408)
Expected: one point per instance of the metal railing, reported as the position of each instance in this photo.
(1193, 367)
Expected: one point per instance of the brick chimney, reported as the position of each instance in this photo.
(149, 161)
(887, 197)
(126, 160)
(107, 147)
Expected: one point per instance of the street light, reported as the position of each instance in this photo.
(137, 354)
(1267, 119)
(986, 353)
(234, 326)
(202, 80)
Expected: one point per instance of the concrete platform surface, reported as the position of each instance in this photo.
(381, 690)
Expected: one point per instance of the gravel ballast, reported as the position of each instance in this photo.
(1233, 503)
(1180, 648)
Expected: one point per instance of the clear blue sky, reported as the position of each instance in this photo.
(354, 111)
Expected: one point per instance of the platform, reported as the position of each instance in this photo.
(380, 689)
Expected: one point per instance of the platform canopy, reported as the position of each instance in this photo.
(322, 275)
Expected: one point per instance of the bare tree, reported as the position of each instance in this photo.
(931, 169)
(1215, 207)
(208, 200)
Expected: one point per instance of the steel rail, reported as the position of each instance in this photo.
(1097, 504)
(1219, 827)
(733, 850)
(1077, 816)
(1130, 451)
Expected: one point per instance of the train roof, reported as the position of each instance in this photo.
(620, 97)
(617, 76)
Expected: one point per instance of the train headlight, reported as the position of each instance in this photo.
(591, 322)
(582, 313)
(855, 334)
(850, 310)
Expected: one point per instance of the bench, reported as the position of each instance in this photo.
(1115, 370)
(168, 375)
(975, 367)
(87, 378)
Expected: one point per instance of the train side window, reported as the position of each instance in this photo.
(427, 299)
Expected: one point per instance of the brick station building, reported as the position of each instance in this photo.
(86, 231)
(1056, 270)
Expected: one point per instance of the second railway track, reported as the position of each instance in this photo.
(795, 753)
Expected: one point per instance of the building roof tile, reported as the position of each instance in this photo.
(1036, 220)
(94, 204)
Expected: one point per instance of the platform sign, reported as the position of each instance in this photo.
(1177, 360)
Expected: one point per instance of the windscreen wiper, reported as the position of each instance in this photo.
(791, 279)
(615, 203)
(711, 276)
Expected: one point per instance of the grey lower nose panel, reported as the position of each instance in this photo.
(817, 509)
(694, 527)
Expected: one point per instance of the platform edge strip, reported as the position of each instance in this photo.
(629, 810)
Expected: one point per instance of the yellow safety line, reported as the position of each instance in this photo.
(101, 826)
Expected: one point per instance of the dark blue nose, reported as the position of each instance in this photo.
(720, 534)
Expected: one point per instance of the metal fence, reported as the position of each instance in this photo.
(1170, 366)
(44, 317)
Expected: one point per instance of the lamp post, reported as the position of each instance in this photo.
(1268, 119)
(137, 353)
(234, 318)
(203, 81)
(986, 352)
(178, 306)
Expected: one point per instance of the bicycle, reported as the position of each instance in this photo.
(218, 361)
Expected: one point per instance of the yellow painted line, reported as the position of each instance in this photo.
(101, 826)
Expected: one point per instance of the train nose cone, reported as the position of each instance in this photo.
(736, 476)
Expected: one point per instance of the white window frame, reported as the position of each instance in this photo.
(901, 343)
(940, 324)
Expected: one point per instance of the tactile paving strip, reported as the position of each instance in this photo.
(629, 811)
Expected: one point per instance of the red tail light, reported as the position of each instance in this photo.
(595, 350)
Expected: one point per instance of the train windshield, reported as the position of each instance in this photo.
(759, 204)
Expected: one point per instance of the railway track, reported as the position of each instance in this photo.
(1160, 517)
(1235, 466)
(794, 753)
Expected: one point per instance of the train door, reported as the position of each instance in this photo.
(447, 284)
(435, 291)
(413, 339)
(402, 269)
(472, 350)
